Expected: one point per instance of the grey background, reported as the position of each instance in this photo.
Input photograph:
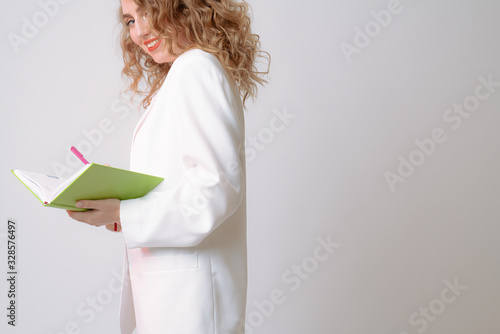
(320, 175)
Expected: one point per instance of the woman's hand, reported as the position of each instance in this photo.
(111, 227)
(104, 212)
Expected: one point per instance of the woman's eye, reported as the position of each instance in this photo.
(130, 22)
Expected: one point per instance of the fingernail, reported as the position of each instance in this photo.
(79, 204)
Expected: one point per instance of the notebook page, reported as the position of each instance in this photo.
(66, 182)
(44, 186)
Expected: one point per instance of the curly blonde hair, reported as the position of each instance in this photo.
(220, 27)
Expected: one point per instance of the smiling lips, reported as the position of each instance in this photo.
(152, 44)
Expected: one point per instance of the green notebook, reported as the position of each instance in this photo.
(92, 182)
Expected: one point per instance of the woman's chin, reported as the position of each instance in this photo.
(162, 58)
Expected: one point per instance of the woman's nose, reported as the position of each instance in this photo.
(142, 27)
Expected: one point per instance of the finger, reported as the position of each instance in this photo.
(80, 216)
(111, 227)
(87, 204)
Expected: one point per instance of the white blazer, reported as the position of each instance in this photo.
(185, 268)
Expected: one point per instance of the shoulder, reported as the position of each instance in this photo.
(196, 55)
(197, 63)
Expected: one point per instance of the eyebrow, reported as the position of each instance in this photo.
(139, 11)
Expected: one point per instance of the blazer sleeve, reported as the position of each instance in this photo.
(211, 132)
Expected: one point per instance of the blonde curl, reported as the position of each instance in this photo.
(219, 27)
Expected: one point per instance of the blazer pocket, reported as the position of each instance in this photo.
(167, 259)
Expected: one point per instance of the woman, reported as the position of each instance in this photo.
(185, 263)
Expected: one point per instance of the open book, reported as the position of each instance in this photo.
(92, 182)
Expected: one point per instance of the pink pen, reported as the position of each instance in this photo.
(79, 155)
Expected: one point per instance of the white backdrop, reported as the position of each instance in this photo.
(372, 166)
